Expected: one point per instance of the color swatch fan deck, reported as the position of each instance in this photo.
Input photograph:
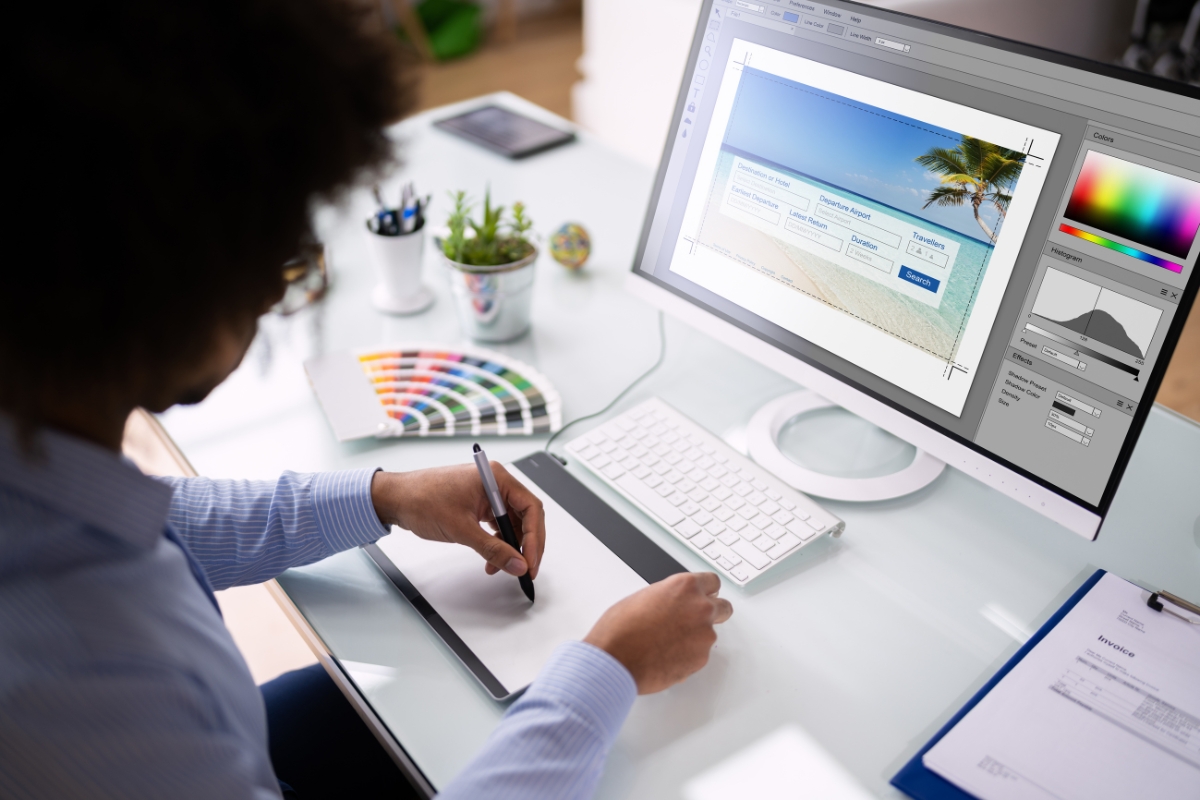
(432, 390)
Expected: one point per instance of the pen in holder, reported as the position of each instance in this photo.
(398, 259)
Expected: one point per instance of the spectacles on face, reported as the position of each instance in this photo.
(305, 278)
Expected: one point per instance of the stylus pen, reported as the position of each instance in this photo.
(502, 521)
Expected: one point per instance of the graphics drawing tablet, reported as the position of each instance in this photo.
(505, 132)
(593, 558)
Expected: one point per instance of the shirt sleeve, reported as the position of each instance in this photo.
(245, 532)
(554, 740)
(130, 733)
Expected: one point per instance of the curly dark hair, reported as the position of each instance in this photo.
(165, 160)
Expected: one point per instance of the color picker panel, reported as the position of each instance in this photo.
(1132, 252)
(1137, 203)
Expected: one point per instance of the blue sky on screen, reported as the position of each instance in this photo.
(849, 144)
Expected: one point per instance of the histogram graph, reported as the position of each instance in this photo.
(1098, 313)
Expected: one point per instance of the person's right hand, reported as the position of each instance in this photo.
(663, 633)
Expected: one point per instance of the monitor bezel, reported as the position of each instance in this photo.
(1043, 496)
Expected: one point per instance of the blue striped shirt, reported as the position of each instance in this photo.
(118, 678)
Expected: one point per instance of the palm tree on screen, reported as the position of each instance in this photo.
(974, 172)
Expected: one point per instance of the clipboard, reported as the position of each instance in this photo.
(918, 781)
(612, 532)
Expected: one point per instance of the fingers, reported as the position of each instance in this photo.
(723, 610)
(707, 582)
(498, 555)
(526, 509)
(710, 585)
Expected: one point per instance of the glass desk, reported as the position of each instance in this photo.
(869, 642)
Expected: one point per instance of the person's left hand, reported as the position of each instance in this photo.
(446, 504)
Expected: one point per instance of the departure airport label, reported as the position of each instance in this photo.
(879, 243)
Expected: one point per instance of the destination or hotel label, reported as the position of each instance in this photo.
(883, 247)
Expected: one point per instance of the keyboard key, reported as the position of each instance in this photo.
(704, 462)
(746, 474)
(748, 512)
(669, 436)
(676, 499)
(764, 543)
(687, 529)
(608, 445)
(652, 480)
(759, 484)
(650, 459)
(716, 551)
(672, 458)
(630, 463)
(720, 457)
(625, 442)
(690, 508)
(639, 433)
(735, 503)
(660, 449)
(648, 498)
(737, 523)
(788, 504)
(708, 448)
(664, 489)
(714, 527)
(588, 453)
(760, 522)
(651, 441)
(658, 429)
(696, 474)
(709, 504)
(702, 540)
(731, 480)
(661, 468)
(722, 493)
(752, 554)
(693, 453)
(601, 461)
(769, 508)
(708, 484)
(640, 452)
(751, 533)
(774, 530)
(741, 572)
(725, 562)
(684, 465)
(642, 472)
(741, 489)
(685, 485)
(815, 524)
(800, 529)
(723, 513)
(680, 446)
(756, 498)
(727, 536)
(717, 471)
(782, 517)
(597, 436)
(800, 514)
(774, 495)
(613, 471)
(672, 476)
(702, 517)
(786, 544)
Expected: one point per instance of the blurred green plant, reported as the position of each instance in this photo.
(454, 27)
(491, 241)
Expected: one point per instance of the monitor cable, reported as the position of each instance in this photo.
(662, 354)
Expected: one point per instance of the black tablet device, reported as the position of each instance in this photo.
(505, 132)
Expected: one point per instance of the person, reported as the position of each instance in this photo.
(167, 160)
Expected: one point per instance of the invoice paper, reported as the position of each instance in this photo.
(1106, 706)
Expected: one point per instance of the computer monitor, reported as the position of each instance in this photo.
(986, 248)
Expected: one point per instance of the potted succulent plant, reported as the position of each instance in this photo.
(490, 263)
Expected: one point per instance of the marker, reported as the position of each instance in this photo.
(502, 521)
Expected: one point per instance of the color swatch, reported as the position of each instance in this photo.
(432, 390)
(1121, 248)
(1137, 203)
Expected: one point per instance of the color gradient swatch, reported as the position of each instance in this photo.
(1137, 203)
(1121, 248)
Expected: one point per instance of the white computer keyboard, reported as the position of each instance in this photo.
(709, 496)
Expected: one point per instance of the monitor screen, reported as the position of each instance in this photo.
(996, 240)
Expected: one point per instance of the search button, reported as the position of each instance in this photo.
(920, 279)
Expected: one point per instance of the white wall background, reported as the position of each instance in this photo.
(635, 52)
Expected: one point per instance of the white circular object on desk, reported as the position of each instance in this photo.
(762, 442)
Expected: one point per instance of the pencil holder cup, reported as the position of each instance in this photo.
(397, 261)
(493, 303)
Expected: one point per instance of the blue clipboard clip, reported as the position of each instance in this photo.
(1155, 601)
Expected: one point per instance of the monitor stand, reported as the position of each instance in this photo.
(762, 442)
